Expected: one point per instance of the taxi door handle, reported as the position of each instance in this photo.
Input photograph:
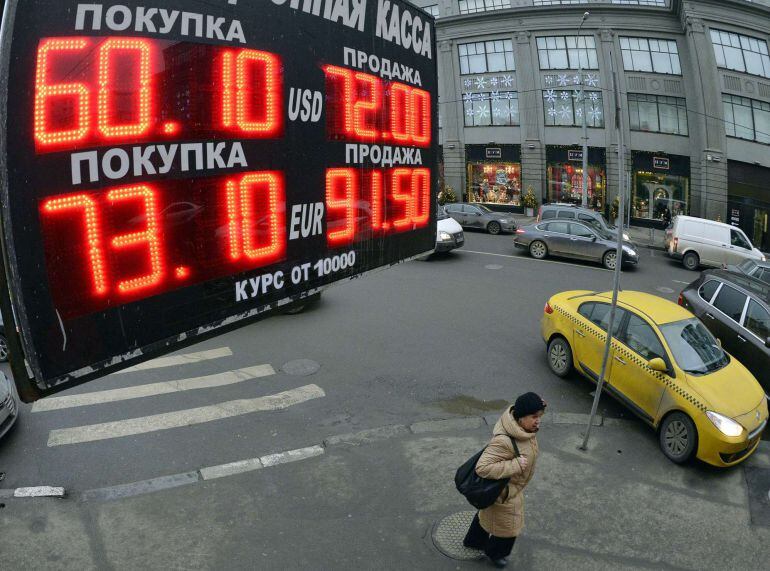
(619, 360)
(579, 332)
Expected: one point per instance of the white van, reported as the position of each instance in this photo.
(700, 242)
(449, 233)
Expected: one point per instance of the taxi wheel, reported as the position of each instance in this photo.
(559, 357)
(678, 437)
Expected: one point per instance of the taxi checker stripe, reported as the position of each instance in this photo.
(636, 359)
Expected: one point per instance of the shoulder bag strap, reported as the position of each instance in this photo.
(515, 447)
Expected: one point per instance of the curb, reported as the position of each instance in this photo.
(33, 492)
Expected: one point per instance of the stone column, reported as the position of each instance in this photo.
(450, 108)
(530, 116)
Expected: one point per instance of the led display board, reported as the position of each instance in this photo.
(168, 171)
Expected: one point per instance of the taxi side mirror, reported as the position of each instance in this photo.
(658, 364)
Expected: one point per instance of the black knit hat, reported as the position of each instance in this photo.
(526, 404)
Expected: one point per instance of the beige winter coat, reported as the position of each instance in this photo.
(505, 518)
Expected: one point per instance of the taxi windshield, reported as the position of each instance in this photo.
(694, 348)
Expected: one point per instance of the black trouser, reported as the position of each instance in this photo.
(494, 547)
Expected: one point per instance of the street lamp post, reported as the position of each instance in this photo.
(584, 194)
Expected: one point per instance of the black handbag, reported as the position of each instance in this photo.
(480, 492)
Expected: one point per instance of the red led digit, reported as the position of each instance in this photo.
(420, 123)
(364, 112)
(150, 236)
(334, 76)
(46, 95)
(400, 123)
(421, 196)
(378, 202)
(341, 190)
(110, 97)
(252, 92)
(256, 212)
(402, 194)
(93, 230)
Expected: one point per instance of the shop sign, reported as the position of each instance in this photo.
(494, 153)
(575, 156)
(661, 163)
(735, 216)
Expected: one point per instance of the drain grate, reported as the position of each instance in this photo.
(448, 535)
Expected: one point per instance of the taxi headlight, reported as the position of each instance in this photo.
(445, 236)
(726, 426)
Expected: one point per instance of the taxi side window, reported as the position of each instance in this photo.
(599, 314)
(758, 320)
(641, 339)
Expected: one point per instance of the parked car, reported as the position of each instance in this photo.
(573, 240)
(9, 405)
(753, 268)
(700, 242)
(736, 309)
(479, 216)
(564, 211)
(3, 342)
(449, 234)
(666, 367)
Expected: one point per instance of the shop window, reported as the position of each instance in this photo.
(747, 118)
(564, 108)
(495, 183)
(495, 108)
(565, 184)
(741, 53)
(658, 114)
(656, 196)
(483, 57)
(651, 55)
(567, 52)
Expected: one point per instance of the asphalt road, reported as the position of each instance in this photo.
(453, 335)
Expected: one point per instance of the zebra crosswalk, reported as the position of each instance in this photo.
(178, 418)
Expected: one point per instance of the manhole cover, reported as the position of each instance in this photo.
(300, 367)
(664, 289)
(448, 535)
(493, 267)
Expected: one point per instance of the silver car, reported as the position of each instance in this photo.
(9, 405)
(481, 217)
(573, 240)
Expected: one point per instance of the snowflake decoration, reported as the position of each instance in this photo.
(592, 80)
(549, 80)
(578, 112)
(552, 112)
(577, 95)
(482, 112)
(565, 112)
(467, 96)
(468, 83)
(507, 80)
(562, 80)
(550, 96)
(593, 97)
(494, 81)
(576, 80)
(565, 96)
(497, 112)
(481, 83)
(469, 112)
(510, 95)
(495, 95)
(595, 113)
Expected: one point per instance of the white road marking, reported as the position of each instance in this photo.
(534, 260)
(183, 359)
(154, 389)
(679, 282)
(251, 464)
(39, 492)
(189, 417)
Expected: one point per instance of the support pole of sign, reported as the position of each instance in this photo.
(584, 194)
(619, 253)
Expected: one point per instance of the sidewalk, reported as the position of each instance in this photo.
(374, 500)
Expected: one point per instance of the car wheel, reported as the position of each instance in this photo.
(493, 228)
(678, 437)
(559, 357)
(610, 260)
(3, 348)
(691, 261)
(538, 250)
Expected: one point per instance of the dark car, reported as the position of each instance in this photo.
(563, 211)
(573, 240)
(753, 268)
(481, 217)
(736, 309)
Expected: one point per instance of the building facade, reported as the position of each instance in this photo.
(518, 78)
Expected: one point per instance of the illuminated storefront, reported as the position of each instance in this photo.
(660, 187)
(494, 176)
(564, 176)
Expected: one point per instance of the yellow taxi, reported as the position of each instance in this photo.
(665, 367)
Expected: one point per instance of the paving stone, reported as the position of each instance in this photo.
(448, 424)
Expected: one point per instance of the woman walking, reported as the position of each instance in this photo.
(512, 453)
